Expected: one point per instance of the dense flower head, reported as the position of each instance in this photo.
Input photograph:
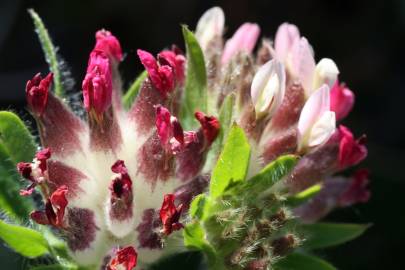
(117, 183)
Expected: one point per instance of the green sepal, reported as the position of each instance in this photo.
(322, 235)
(25, 241)
(304, 195)
(133, 90)
(195, 88)
(232, 164)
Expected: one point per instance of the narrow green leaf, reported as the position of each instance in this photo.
(25, 241)
(194, 238)
(321, 235)
(133, 90)
(16, 138)
(225, 119)
(195, 90)
(272, 173)
(304, 195)
(49, 51)
(233, 162)
(299, 261)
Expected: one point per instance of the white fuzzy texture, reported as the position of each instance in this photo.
(95, 194)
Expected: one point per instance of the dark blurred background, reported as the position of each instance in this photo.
(365, 38)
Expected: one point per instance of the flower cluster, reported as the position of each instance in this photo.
(117, 184)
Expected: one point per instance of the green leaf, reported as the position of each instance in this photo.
(304, 195)
(11, 202)
(233, 162)
(194, 238)
(25, 241)
(225, 119)
(49, 51)
(299, 261)
(198, 206)
(133, 90)
(16, 144)
(195, 89)
(321, 235)
(16, 138)
(272, 173)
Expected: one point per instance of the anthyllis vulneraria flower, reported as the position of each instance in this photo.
(225, 149)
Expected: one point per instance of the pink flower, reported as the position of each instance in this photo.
(284, 40)
(351, 151)
(268, 88)
(97, 84)
(244, 40)
(108, 44)
(175, 61)
(357, 191)
(170, 215)
(36, 93)
(125, 258)
(316, 123)
(162, 76)
(341, 100)
(54, 209)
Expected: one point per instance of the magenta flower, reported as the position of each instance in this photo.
(37, 93)
(341, 100)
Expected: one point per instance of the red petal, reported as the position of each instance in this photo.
(210, 126)
(126, 257)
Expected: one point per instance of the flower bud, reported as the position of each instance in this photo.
(210, 26)
(268, 88)
(351, 151)
(284, 40)
(162, 76)
(175, 61)
(108, 44)
(326, 72)
(244, 40)
(316, 123)
(301, 64)
(97, 84)
(169, 130)
(54, 209)
(36, 93)
(210, 126)
(341, 100)
(125, 258)
(170, 215)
